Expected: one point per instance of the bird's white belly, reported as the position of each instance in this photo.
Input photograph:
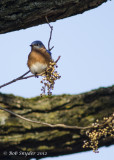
(38, 68)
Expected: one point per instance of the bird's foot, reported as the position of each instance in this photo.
(36, 76)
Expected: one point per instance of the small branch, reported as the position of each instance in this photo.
(51, 48)
(63, 126)
(51, 27)
(57, 59)
(23, 76)
(14, 80)
(44, 123)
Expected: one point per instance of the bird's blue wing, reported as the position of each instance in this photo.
(49, 52)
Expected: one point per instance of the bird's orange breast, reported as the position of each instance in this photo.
(38, 60)
(40, 56)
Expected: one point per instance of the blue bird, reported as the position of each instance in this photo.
(39, 58)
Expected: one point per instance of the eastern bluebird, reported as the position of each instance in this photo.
(39, 58)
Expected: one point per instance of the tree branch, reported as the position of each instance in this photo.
(62, 126)
(23, 76)
(24, 14)
(53, 122)
(51, 27)
(14, 80)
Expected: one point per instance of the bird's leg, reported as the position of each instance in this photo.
(36, 76)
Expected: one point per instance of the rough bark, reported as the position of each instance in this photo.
(80, 110)
(21, 14)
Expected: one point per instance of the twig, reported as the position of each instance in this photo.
(57, 59)
(23, 76)
(14, 80)
(63, 126)
(44, 123)
(51, 27)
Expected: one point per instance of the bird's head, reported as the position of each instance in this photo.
(37, 45)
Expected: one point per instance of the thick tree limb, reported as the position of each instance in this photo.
(74, 110)
(21, 14)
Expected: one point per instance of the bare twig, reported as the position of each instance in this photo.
(57, 59)
(44, 123)
(51, 27)
(14, 80)
(23, 76)
(63, 126)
